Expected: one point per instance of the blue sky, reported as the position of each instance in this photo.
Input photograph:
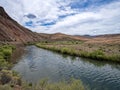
(80, 17)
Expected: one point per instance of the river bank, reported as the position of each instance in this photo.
(7, 76)
(98, 51)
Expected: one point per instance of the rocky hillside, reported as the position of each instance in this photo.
(11, 31)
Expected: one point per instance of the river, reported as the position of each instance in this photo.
(37, 64)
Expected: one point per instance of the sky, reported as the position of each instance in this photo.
(74, 17)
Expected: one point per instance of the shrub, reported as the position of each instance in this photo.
(7, 76)
(5, 54)
(97, 54)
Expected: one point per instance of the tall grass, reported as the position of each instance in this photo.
(95, 54)
(45, 85)
(5, 54)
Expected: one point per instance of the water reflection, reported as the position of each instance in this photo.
(38, 64)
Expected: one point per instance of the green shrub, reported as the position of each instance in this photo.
(1, 57)
(97, 54)
(5, 54)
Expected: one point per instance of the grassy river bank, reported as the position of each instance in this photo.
(98, 51)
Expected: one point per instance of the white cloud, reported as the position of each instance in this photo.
(76, 19)
(100, 20)
(105, 20)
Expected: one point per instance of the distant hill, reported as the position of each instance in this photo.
(62, 37)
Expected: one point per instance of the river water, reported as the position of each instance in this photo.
(37, 64)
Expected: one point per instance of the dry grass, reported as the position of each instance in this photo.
(99, 51)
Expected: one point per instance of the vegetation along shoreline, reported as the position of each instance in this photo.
(81, 49)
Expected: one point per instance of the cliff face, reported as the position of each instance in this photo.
(11, 31)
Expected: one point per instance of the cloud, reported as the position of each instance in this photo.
(105, 20)
(30, 16)
(66, 16)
